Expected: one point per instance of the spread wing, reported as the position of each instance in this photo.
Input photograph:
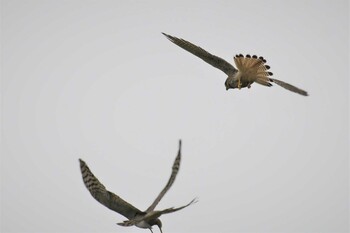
(171, 180)
(154, 215)
(157, 214)
(289, 87)
(213, 60)
(105, 197)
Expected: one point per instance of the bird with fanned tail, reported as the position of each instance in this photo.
(142, 219)
(250, 69)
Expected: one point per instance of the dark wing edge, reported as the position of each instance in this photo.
(289, 87)
(175, 170)
(105, 197)
(213, 60)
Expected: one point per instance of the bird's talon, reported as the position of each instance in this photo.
(239, 84)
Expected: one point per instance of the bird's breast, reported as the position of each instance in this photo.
(143, 224)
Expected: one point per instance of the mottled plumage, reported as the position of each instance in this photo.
(250, 69)
(142, 219)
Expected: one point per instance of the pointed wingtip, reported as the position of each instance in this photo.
(169, 37)
(82, 163)
(304, 93)
(166, 35)
(180, 143)
(289, 87)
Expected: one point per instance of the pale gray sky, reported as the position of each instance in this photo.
(98, 80)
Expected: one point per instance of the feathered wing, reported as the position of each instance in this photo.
(213, 60)
(169, 210)
(289, 87)
(105, 197)
(155, 214)
(175, 170)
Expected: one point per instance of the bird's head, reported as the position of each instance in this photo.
(227, 85)
(159, 224)
(231, 84)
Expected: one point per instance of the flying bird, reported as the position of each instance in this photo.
(142, 219)
(250, 69)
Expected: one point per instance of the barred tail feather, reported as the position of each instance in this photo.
(263, 81)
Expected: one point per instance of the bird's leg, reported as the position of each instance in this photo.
(150, 230)
(239, 83)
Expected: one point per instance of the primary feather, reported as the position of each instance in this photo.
(105, 197)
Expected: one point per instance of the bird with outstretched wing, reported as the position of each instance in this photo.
(249, 69)
(143, 219)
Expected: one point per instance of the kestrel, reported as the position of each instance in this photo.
(250, 69)
(143, 219)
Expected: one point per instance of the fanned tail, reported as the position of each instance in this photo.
(263, 82)
(253, 68)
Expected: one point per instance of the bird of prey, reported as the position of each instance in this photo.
(250, 69)
(143, 219)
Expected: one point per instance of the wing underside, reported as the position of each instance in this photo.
(289, 87)
(175, 170)
(105, 197)
(155, 214)
(213, 60)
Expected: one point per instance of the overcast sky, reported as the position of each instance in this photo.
(97, 80)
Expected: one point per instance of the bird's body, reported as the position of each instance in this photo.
(142, 219)
(233, 80)
(143, 224)
(250, 69)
